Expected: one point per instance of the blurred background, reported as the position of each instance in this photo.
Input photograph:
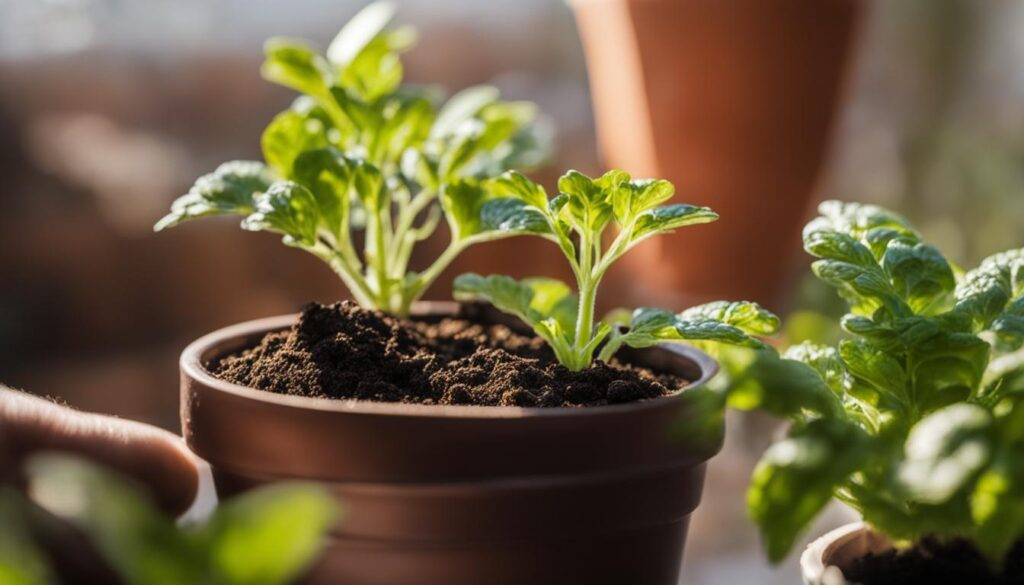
(110, 108)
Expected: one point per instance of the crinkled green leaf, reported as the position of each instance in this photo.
(865, 287)
(944, 451)
(796, 477)
(1009, 325)
(856, 219)
(267, 537)
(288, 209)
(669, 217)
(639, 195)
(231, 189)
(512, 216)
(919, 272)
(749, 317)
(984, 292)
(295, 65)
(833, 245)
(947, 368)
(825, 360)
(587, 200)
(878, 378)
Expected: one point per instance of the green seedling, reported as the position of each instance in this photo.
(577, 219)
(357, 152)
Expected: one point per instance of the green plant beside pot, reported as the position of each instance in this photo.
(915, 420)
(438, 492)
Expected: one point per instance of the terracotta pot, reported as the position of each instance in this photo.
(469, 495)
(825, 559)
(734, 102)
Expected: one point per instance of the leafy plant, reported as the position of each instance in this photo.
(264, 537)
(576, 219)
(358, 152)
(916, 419)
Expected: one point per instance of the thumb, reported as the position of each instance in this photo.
(156, 458)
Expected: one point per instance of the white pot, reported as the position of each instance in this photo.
(824, 559)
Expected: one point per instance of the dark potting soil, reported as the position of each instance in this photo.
(343, 351)
(934, 562)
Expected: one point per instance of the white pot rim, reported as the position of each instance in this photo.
(823, 558)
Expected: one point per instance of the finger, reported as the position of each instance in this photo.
(154, 457)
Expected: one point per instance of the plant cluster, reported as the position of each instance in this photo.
(577, 219)
(357, 152)
(916, 420)
(267, 536)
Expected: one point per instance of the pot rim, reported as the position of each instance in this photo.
(192, 366)
(823, 560)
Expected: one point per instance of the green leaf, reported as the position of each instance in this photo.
(749, 317)
(531, 300)
(669, 217)
(919, 272)
(984, 292)
(142, 544)
(796, 477)
(879, 378)
(639, 195)
(328, 175)
(516, 185)
(295, 65)
(587, 200)
(946, 368)
(554, 299)
(512, 216)
(857, 219)
(290, 134)
(824, 360)
(288, 209)
(833, 245)
(377, 70)
(229, 190)
(945, 451)
(369, 186)
(1009, 325)
(268, 536)
(359, 32)
(997, 505)
(865, 287)
(1003, 377)
(463, 106)
(761, 380)
(471, 211)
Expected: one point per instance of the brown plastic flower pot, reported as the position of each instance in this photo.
(734, 101)
(825, 559)
(468, 495)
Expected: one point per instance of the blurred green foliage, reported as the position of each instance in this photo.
(264, 537)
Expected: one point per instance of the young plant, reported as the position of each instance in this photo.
(358, 152)
(917, 419)
(576, 220)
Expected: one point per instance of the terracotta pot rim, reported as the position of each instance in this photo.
(192, 365)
